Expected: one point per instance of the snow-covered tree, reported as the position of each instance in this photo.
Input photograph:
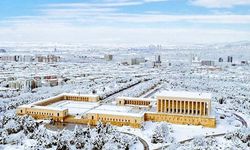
(161, 134)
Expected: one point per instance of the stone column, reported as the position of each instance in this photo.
(188, 108)
(179, 107)
(192, 108)
(165, 108)
(173, 106)
(196, 108)
(204, 107)
(162, 107)
(184, 107)
(171, 110)
(176, 107)
(168, 106)
(201, 108)
(158, 105)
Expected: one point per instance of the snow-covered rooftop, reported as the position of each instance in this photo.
(49, 108)
(42, 107)
(136, 98)
(117, 110)
(74, 107)
(64, 94)
(117, 113)
(185, 94)
(84, 95)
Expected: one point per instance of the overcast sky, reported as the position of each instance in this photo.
(125, 22)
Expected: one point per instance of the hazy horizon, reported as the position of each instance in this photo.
(125, 22)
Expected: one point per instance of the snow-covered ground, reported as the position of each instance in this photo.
(84, 71)
(184, 132)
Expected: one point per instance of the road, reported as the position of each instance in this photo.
(238, 117)
(188, 140)
(112, 96)
(214, 135)
(144, 143)
(151, 93)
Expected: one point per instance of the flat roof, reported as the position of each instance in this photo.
(42, 107)
(115, 113)
(64, 94)
(83, 95)
(185, 94)
(45, 100)
(136, 98)
(74, 107)
(117, 110)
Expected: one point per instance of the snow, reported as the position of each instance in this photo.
(83, 95)
(137, 146)
(77, 107)
(74, 107)
(28, 144)
(184, 94)
(84, 71)
(117, 110)
(117, 113)
(184, 132)
(48, 108)
(138, 99)
(44, 100)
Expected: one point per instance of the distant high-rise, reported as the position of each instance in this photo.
(155, 47)
(207, 63)
(229, 59)
(157, 62)
(158, 58)
(108, 57)
(220, 59)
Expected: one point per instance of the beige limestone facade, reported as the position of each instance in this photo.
(173, 107)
